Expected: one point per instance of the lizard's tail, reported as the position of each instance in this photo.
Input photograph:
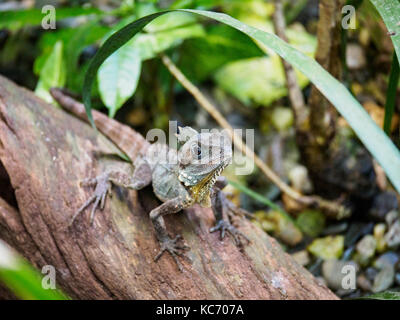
(128, 140)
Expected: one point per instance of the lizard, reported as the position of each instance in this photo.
(180, 178)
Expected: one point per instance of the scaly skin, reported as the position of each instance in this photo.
(179, 178)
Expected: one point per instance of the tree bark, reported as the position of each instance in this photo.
(46, 152)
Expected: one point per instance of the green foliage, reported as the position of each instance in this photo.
(311, 222)
(390, 13)
(391, 94)
(16, 19)
(220, 45)
(369, 133)
(118, 77)
(53, 73)
(23, 280)
(387, 295)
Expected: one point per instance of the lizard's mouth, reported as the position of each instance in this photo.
(201, 191)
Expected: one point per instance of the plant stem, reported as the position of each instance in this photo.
(391, 94)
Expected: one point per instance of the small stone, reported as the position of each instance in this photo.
(371, 273)
(283, 228)
(301, 257)
(382, 204)
(311, 222)
(364, 283)
(282, 118)
(366, 248)
(330, 247)
(388, 259)
(391, 217)
(355, 56)
(397, 279)
(392, 237)
(334, 271)
(299, 179)
(383, 280)
(379, 233)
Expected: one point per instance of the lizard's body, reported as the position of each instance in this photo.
(179, 178)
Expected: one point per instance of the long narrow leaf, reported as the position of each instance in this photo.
(391, 94)
(377, 142)
(390, 13)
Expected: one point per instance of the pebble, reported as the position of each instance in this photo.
(366, 247)
(355, 56)
(301, 257)
(392, 237)
(371, 273)
(383, 280)
(379, 235)
(332, 272)
(397, 278)
(364, 283)
(388, 259)
(383, 203)
(330, 247)
(299, 179)
(391, 217)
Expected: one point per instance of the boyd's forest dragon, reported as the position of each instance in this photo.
(179, 178)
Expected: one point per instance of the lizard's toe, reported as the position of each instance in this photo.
(174, 248)
(224, 226)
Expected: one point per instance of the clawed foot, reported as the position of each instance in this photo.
(102, 188)
(224, 226)
(174, 248)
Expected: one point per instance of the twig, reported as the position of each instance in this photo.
(295, 94)
(331, 208)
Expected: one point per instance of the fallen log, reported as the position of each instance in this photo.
(46, 152)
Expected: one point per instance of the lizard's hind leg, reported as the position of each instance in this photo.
(102, 183)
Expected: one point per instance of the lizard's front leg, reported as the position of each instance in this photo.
(141, 178)
(172, 246)
(222, 209)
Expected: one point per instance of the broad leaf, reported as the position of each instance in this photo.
(118, 77)
(52, 73)
(381, 147)
(22, 279)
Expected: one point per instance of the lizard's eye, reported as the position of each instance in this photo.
(197, 151)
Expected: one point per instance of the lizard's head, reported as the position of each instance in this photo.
(202, 158)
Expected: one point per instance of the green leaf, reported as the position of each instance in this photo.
(22, 279)
(151, 44)
(221, 45)
(17, 19)
(52, 74)
(387, 295)
(256, 80)
(390, 13)
(391, 95)
(118, 77)
(376, 141)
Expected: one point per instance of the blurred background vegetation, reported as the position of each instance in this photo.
(247, 83)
